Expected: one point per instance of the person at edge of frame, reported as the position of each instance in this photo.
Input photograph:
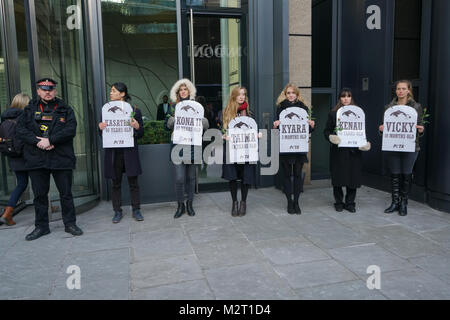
(237, 106)
(401, 164)
(184, 90)
(292, 163)
(16, 163)
(345, 163)
(124, 160)
(47, 127)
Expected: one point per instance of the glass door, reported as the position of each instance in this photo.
(216, 61)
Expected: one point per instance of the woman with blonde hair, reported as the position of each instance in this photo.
(237, 107)
(16, 162)
(401, 164)
(292, 163)
(184, 90)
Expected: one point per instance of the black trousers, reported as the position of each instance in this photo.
(119, 169)
(349, 197)
(40, 182)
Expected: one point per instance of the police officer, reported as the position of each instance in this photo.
(47, 127)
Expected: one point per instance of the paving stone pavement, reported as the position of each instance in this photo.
(267, 254)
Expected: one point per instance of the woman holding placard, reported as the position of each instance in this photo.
(292, 163)
(401, 164)
(184, 90)
(345, 163)
(124, 160)
(237, 107)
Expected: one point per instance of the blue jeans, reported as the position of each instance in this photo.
(22, 183)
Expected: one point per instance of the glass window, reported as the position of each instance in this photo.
(62, 57)
(407, 39)
(322, 18)
(22, 47)
(140, 48)
(216, 3)
(6, 178)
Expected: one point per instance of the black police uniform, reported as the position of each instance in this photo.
(55, 121)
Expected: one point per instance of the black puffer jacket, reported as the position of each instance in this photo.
(62, 130)
(15, 163)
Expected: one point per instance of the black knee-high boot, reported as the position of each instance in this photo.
(404, 194)
(395, 183)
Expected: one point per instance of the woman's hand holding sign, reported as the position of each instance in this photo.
(102, 125)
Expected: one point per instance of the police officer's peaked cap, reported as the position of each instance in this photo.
(46, 83)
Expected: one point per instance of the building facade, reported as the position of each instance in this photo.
(322, 45)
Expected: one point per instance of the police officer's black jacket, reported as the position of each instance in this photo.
(61, 131)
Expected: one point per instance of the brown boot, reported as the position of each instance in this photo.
(242, 209)
(7, 216)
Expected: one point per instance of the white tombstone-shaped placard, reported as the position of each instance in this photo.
(294, 131)
(400, 129)
(188, 127)
(243, 140)
(118, 133)
(351, 121)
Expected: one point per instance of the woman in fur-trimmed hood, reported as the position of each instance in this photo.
(175, 91)
(183, 90)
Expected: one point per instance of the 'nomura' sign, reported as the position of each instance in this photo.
(351, 124)
(188, 127)
(242, 140)
(400, 129)
(294, 131)
(118, 132)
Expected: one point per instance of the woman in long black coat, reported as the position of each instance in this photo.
(345, 163)
(292, 163)
(237, 107)
(16, 164)
(124, 160)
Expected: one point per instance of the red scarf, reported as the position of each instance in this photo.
(243, 107)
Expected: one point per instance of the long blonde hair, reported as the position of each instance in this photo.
(283, 96)
(232, 106)
(20, 101)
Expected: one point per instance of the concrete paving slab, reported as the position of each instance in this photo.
(359, 258)
(255, 281)
(189, 290)
(165, 271)
(226, 253)
(349, 290)
(315, 273)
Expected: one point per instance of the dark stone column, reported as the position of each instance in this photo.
(438, 180)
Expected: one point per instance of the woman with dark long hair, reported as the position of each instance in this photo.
(345, 163)
(124, 160)
(292, 163)
(401, 164)
(16, 163)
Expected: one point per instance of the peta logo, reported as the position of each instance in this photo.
(374, 20)
(74, 280)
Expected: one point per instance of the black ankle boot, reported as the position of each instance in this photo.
(235, 209)
(404, 194)
(297, 208)
(180, 210)
(395, 182)
(190, 209)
